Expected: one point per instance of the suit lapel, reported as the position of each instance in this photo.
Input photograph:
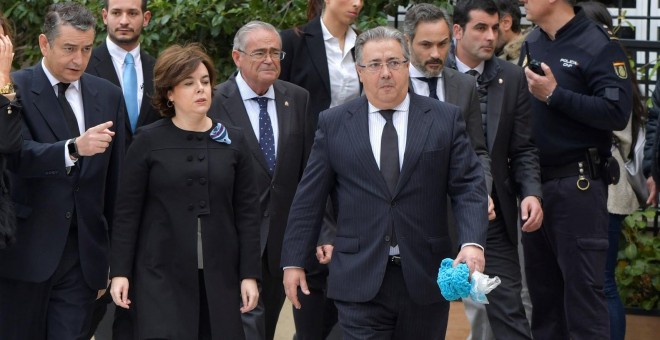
(357, 125)
(494, 110)
(147, 76)
(284, 121)
(235, 108)
(46, 102)
(316, 46)
(104, 66)
(451, 87)
(419, 124)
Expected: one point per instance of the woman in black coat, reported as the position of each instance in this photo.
(185, 239)
(10, 134)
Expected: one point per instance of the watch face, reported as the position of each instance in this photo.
(73, 150)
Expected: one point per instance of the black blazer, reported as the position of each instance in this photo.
(515, 160)
(439, 163)
(44, 194)
(100, 65)
(296, 134)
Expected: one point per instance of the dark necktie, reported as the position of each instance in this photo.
(266, 138)
(482, 92)
(433, 86)
(69, 116)
(389, 157)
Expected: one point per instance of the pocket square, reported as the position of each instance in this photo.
(220, 135)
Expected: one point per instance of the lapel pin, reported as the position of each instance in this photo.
(500, 81)
(286, 103)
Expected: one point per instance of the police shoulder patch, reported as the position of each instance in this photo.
(620, 69)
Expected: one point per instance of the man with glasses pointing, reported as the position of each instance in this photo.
(275, 118)
(390, 160)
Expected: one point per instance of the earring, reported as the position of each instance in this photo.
(169, 103)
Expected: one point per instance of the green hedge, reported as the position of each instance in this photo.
(209, 22)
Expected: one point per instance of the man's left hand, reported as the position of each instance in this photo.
(541, 87)
(473, 256)
(531, 213)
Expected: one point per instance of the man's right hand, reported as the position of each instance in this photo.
(119, 291)
(294, 277)
(95, 140)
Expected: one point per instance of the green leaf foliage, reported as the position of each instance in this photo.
(638, 268)
(212, 23)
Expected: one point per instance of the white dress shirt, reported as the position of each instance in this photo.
(252, 107)
(118, 55)
(421, 87)
(460, 67)
(344, 81)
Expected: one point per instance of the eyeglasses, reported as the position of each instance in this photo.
(261, 55)
(377, 67)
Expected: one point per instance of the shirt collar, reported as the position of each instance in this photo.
(460, 67)
(246, 91)
(119, 54)
(403, 106)
(349, 40)
(53, 81)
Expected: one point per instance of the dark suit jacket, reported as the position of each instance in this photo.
(172, 179)
(461, 90)
(296, 134)
(10, 127)
(46, 197)
(439, 163)
(101, 65)
(515, 161)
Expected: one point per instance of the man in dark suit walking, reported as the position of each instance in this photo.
(390, 160)
(63, 183)
(275, 117)
(515, 164)
(124, 20)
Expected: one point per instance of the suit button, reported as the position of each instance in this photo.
(76, 189)
(273, 187)
(189, 181)
(189, 137)
(202, 204)
(68, 215)
(191, 207)
(394, 204)
(201, 157)
(202, 181)
(189, 158)
(266, 214)
(387, 238)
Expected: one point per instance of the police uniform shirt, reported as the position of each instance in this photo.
(593, 94)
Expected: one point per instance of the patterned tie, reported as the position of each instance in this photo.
(266, 138)
(389, 158)
(433, 86)
(130, 90)
(69, 116)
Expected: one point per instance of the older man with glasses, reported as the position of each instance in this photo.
(275, 117)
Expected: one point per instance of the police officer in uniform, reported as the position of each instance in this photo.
(584, 94)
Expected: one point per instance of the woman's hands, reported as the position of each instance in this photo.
(6, 57)
(249, 294)
(119, 291)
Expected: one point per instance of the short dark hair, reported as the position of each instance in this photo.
(143, 6)
(464, 7)
(510, 7)
(174, 65)
(423, 13)
(67, 13)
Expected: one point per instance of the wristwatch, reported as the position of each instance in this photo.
(73, 148)
(7, 88)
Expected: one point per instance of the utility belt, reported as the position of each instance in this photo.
(591, 167)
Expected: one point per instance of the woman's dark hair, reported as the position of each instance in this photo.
(314, 8)
(174, 65)
(6, 26)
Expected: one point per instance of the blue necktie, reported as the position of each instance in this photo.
(266, 138)
(130, 90)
